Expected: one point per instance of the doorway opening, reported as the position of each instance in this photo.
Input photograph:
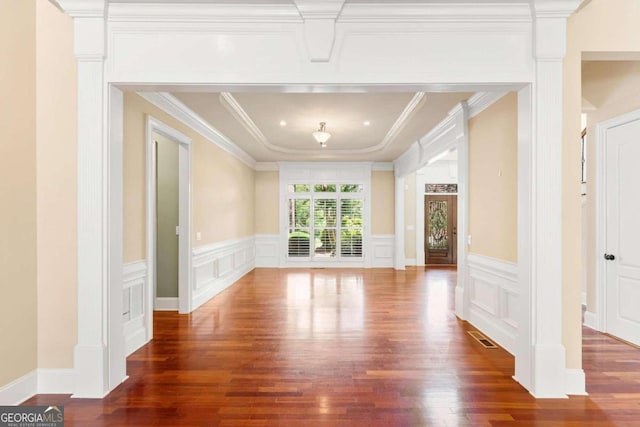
(168, 221)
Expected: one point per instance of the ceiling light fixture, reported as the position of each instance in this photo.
(366, 123)
(283, 123)
(321, 135)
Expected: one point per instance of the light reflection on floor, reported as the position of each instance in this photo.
(322, 302)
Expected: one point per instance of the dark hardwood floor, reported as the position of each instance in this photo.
(322, 347)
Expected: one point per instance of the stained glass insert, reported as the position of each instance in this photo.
(438, 232)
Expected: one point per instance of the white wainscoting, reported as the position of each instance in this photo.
(493, 299)
(268, 250)
(134, 278)
(382, 246)
(218, 266)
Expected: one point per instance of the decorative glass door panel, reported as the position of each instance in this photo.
(440, 229)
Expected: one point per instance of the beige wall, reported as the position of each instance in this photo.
(223, 188)
(18, 281)
(601, 26)
(410, 217)
(56, 162)
(383, 202)
(267, 202)
(493, 180)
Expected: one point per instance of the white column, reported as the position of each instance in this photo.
(462, 145)
(547, 352)
(97, 363)
(399, 219)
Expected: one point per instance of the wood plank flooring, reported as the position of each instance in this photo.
(323, 347)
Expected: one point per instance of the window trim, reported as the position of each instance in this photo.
(343, 173)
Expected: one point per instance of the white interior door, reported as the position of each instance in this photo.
(623, 231)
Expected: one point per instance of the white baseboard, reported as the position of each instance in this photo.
(410, 261)
(584, 298)
(19, 390)
(165, 304)
(575, 382)
(56, 381)
(591, 320)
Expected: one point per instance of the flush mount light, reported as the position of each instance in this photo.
(366, 123)
(283, 123)
(321, 135)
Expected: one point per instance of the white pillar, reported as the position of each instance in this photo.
(98, 355)
(462, 145)
(399, 263)
(546, 358)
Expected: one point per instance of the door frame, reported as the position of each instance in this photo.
(184, 218)
(601, 213)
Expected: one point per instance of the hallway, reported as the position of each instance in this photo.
(344, 347)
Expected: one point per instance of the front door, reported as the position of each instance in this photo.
(623, 232)
(440, 220)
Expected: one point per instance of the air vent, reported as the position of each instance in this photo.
(479, 336)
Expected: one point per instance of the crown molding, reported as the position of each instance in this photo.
(436, 12)
(172, 106)
(203, 12)
(412, 107)
(267, 166)
(236, 110)
(319, 9)
(83, 8)
(554, 8)
(334, 10)
(483, 100)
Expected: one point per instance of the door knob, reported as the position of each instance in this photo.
(609, 257)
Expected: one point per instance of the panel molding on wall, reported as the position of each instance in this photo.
(382, 246)
(493, 299)
(219, 265)
(268, 250)
(134, 288)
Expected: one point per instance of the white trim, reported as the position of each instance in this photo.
(165, 304)
(583, 298)
(219, 265)
(184, 218)
(575, 382)
(483, 100)
(55, 381)
(382, 247)
(134, 284)
(600, 195)
(266, 166)
(172, 106)
(494, 298)
(591, 321)
(497, 12)
(329, 173)
(19, 390)
(382, 166)
(267, 250)
(412, 262)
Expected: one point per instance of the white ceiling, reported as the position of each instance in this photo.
(252, 121)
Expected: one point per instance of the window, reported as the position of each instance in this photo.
(325, 221)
